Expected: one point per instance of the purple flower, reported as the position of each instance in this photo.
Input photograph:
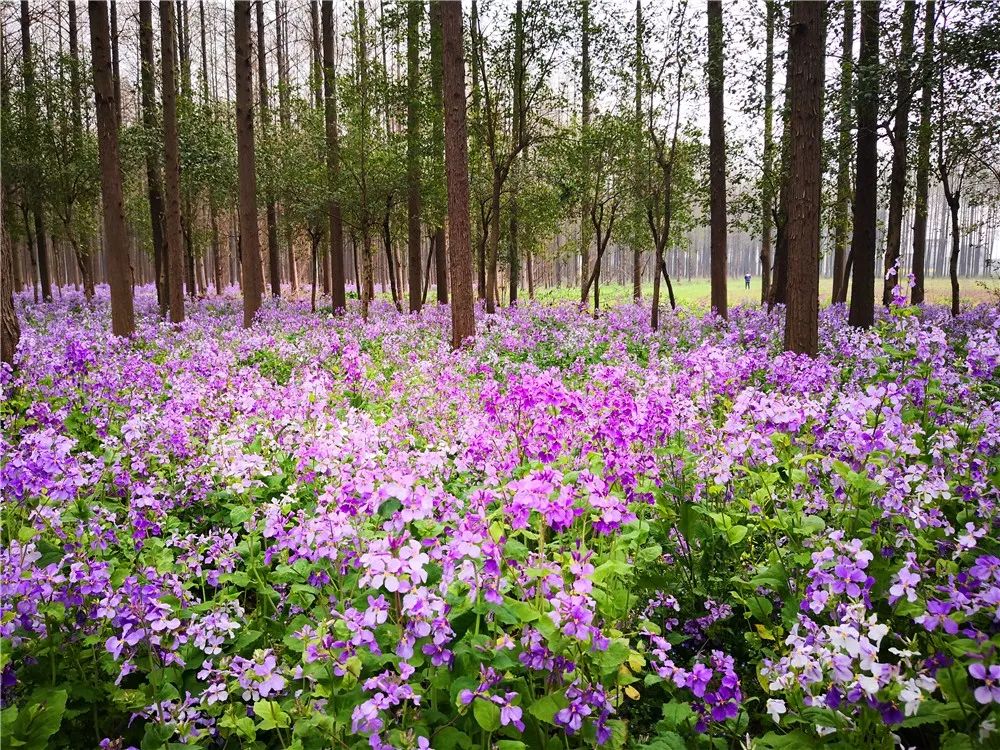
(989, 692)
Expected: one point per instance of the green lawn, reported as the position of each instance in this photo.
(696, 292)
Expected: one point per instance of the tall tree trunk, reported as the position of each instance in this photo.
(187, 213)
(806, 57)
(463, 320)
(923, 157)
(284, 114)
(173, 248)
(717, 159)
(586, 95)
(368, 278)
(767, 180)
(273, 253)
(338, 284)
(637, 72)
(900, 132)
(213, 210)
(779, 277)
(83, 259)
(34, 188)
(414, 10)
(10, 328)
(953, 199)
(148, 84)
(842, 209)
(493, 251)
(513, 256)
(437, 136)
(115, 69)
(482, 238)
(862, 311)
(115, 239)
(253, 281)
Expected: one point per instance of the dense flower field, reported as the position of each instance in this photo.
(321, 533)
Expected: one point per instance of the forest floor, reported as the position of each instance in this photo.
(577, 532)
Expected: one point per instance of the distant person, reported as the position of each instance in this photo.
(746, 280)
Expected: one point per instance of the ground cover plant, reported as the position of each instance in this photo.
(323, 532)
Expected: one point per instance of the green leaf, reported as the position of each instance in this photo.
(271, 716)
(450, 738)
(736, 534)
(666, 741)
(39, 719)
(956, 741)
(510, 745)
(545, 708)
(487, 714)
(791, 741)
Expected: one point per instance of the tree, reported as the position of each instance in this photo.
(281, 39)
(609, 182)
(637, 73)
(253, 281)
(862, 310)
(338, 291)
(437, 140)
(32, 118)
(148, 84)
(923, 156)
(10, 328)
(116, 242)
(172, 239)
(518, 132)
(806, 57)
(463, 320)
(414, 10)
(898, 137)
(367, 286)
(717, 158)
(273, 252)
(767, 179)
(842, 208)
(585, 99)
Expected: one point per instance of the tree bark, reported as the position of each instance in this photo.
(513, 256)
(806, 57)
(253, 281)
(842, 209)
(148, 84)
(900, 132)
(637, 72)
(414, 10)
(923, 157)
(862, 310)
(83, 260)
(767, 180)
(284, 115)
(367, 292)
(273, 252)
(173, 248)
(717, 159)
(437, 136)
(34, 189)
(463, 321)
(338, 284)
(115, 239)
(586, 96)
(10, 328)
(115, 68)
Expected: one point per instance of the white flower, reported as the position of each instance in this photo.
(776, 707)
(986, 729)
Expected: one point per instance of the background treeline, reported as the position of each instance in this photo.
(606, 141)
